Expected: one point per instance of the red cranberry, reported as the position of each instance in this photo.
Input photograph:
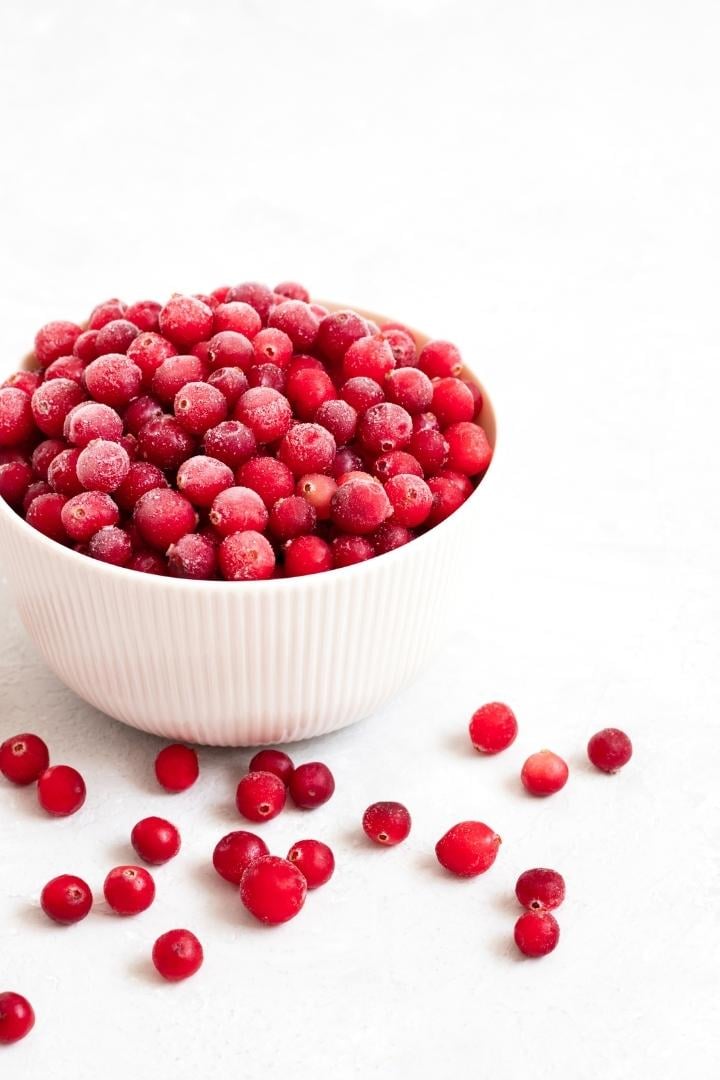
(246, 556)
(275, 762)
(540, 890)
(193, 556)
(84, 348)
(270, 478)
(145, 314)
(23, 758)
(129, 890)
(307, 389)
(307, 448)
(251, 292)
(314, 860)
(199, 406)
(291, 517)
(230, 349)
(362, 394)
(45, 515)
(55, 339)
(468, 849)
(439, 359)
(461, 482)
(348, 550)
(62, 473)
(106, 312)
(52, 402)
(66, 367)
(231, 442)
(387, 823)
(337, 332)
(385, 427)
(113, 380)
(185, 321)
(66, 899)
(91, 420)
(311, 785)
(177, 767)
(410, 388)
(447, 498)
(174, 374)
(16, 416)
(237, 509)
(43, 454)
(84, 514)
(368, 358)
(452, 401)
(544, 773)
(410, 498)
(148, 352)
(177, 955)
(346, 461)
(536, 933)
(402, 344)
(339, 418)
(493, 728)
(360, 506)
(260, 796)
(27, 381)
(476, 396)
(110, 545)
(307, 555)
(141, 478)
(165, 442)
(102, 465)
(15, 477)
(298, 321)
(267, 375)
(237, 316)
(202, 478)
(16, 1017)
(609, 750)
(318, 490)
(390, 536)
(293, 291)
(301, 362)
(469, 451)
(235, 852)
(273, 889)
(61, 790)
(266, 412)
(155, 840)
(40, 487)
(231, 382)
(395, 463)
(272, 346)
(115, 337)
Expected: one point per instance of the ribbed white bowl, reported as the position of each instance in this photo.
(240, 664)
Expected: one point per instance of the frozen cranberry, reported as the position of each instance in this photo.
(91, 420)
(410, 388)
(385, 427)
(55, 339)
(298, 321)
(17, 415)
(311, 785)
(273, 889)
(174, 374)
(66, 899)
(273, 761)
(102, 465)
(267, 375)
(129, 890)
(411, 499)
(272, 346)
(231, 382)
(439, 359)
(165, 442)
(469, 451)
(260, 796)
(239, 317)
(544, 773)
(468, 849)
(177, 955)
(45, 515)
(270, 478)
(27, 381)
(141, 478)
(148, 351)
(145, 314)
(251, 292)
(337, 332)
(493, 728)
(111, 545)
(390, 536)
(609, 750)
(52, 402)
(235, 852)
(540, 890)
(307, 389)
(231, 442)
(362, 394)
(348, 550)
(177, 767)
(17, 1018)
(387, 823)
(317, 490)
(148, 562)
(447, 498)
(113, 380)
(61, 790)
(15, 477)
(360, 506)
(293, 291)
(230, 349)
(307, 448)
(395, 463)
(346, 461)
(266, 412)
(314, 860)
(369, 358)
(185, 321)
(84, 348)
(155, 840)
(193, 556)
(402, 345)
(104, 313)
(291, 517)
(426, 421)
(84, 514)
(162, 517)
(33, 491)
(246, 556)
(237, 509)
(307, 555)
(23, 758)
(536, 933)
(476, 396)
(66, 367)
(202, 478)
(301, 362)
(339, 418)
(452, 401)
(461, 482)
(115, 337)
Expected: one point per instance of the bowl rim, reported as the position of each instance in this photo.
(121, 573)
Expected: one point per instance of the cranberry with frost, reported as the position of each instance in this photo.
(402, 345)
(92, 420)
(395, 463)
(231, 382)
(273, 761)
(390, 536)
(387, 823)
(185, 321)
(61, 790)
(15, 478)
(66, 899)
(540, 889)
(493, 728)
(235, 852)
(84, 348)
(270, 478)
(66, 367)
(62, 473)
(346, 461)
(110, 545)
(359, 506)
(337, 332)
(142, 477)
(293, 290)
(272, 346)
(40, 487)
(410, 498)
(348, 550)
(476, 396)
(307, 555)
(410, 388)
(28, 381)
(469, 451)
(468, 849)
(273, 889)
(55, 339)
(231, 442)
(148, 351)
(311, 785)
(447, 498)
(370, 358)
(174, 373)
(148, 562)
(260, 796)
(51, 403)
(129, 890)
(145, 314)
(113, 380)
(230, 349)
(177, 767)
(452, 401)
(202, 478)
(165, 442)
(318, 490)
(115, 336)
(544, 773)
(23, 758)
(155, 840)
(251, 292)
(17, 1017)
(307, 448)
(609, 750)
(177, 955)
(267, 375)
(362, 394)
(314, 860)
(301, 361)
(105, 312)
(84, 514)
(298, 321)
(246, 556)
(266, 412)
(45, 515)
(385, 427)
(238, 509)
(439, 359)
(291, 517)
(239, 317)
(339, 418)
(536, 933)
(102, 465)
(17, 422)
(306, 391)
(162, 517)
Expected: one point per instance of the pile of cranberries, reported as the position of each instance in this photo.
(242, 435)
(274, 889)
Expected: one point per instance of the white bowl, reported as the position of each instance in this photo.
(248, 663)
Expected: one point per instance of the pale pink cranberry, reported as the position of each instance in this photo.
(291, 517)
(410, 388)
(173, 374)
(51, 403)
(362, 394)
(390, 536)
(270, 478)
(113, 380)
(16, 416)
(231, 442)
(62, 473)
(266, 412)
(193, 556)
(45, 515)
(360, 506)
(142, 477)
(185, 321)
(84, 514)
(231, 382)
(318, 489)
(272, 346)
(111, 545)
(251, 292)
(55, 339)
(165, 442)
(307, 389)
(148, 351)
(307, 555)
(199, 406)
(230, 349)
(139, 412)
(105, 312)
(66, 367)
(238, 509)
(298, 321)
(202, 478)
(115, 336)
(439, 359)
(410, 498)
(307, 448)
(385, 427)
(239, 317)
(348, 550)
(162, 517)
(102, 465)
(370, 358)
(246, 556)
(337, 332)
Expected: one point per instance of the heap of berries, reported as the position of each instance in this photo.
(243, 435)
(274, 889)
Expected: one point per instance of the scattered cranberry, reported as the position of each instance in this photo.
(544, 773)
(307, 555)
(234, 853)
(272, 346)
(273, 761)
(468, 849)
(23, 758)
(228, 349)
(291, 517)
(84, 348)
(148, 352)
(260, 796)
(116, 336)
(232, 384)
(410, 388)
(40, 487)
(402, 344)
(155, 840)
(540, 890)
(177, 955)
(129, 890)
(141, 478)
(84, 514)
(174, 374)
(43, 456)
(469, 451)
(177, 767)
(311, 785)
(411, 499)
(113, 380)
(385, 427)
(66, 899)
(144, 314)
(609, 750)
(447, 498)
(266, 412)
(273, 889)
(314, 860)
(16, 416)
(369, 358)
(61, 790)
(387, 823)
(536, 933)
(268, 375)
(250, 292)
(66, 367)
(395, 463)
(362, 394)
(390, 536)
(293, 291)
(16, 1017)
(493, 728)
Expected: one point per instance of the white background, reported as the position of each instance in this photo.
(539, 182)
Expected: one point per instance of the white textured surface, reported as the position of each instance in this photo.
(561, 222)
